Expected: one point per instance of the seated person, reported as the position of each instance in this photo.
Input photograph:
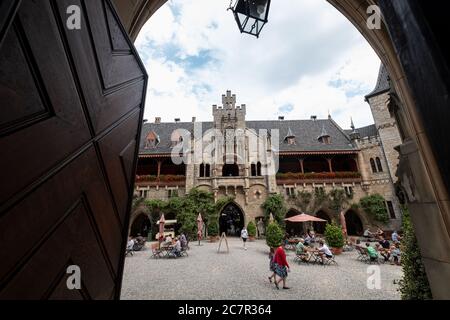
(168, 239)
(139, 239)
(130, 243)
(368, 233)
(395, 237)
(380, 233)
(385, 248)
(301, 250)
(324, 251)
(183, 240)
(373, 254)
(396, 253)
(177, 248)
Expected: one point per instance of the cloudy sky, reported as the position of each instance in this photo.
(309, 60)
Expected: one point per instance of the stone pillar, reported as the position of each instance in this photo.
(330, 165)
(159, 169)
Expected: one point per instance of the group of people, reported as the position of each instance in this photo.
(304, 251)
(178, 243)
(135, 243)
(384, 247)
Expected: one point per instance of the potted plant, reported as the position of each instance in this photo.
(334, 238)
(251, 228)
(213, 231)
(274, 235)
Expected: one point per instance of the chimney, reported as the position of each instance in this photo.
(177, 120)
(313, 118)
(158, 120)
(281, 118)
(194, 119)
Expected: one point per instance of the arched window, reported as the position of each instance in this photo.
(372, 164)
(253, 170)
(379, 166)
(202, 170)
(258, 169)
(207, 170)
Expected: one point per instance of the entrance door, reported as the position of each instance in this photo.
(231, 220)
(70, 117)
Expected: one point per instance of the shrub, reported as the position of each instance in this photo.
(414, 284)
(275, 204)
(213, 229)
(274, 235)
(251, 228)
(375, 206)
(334, 236)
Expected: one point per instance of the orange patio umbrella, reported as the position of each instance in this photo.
(304, 218)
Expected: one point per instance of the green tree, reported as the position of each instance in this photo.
(333, 236)
(414, 284)
(251, 228)
(275, 204)
(274, 235)
(375, 206)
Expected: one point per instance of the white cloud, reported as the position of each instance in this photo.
(308, 56)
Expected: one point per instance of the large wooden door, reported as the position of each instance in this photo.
(71, 107)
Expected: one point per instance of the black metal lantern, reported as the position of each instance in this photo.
(251, 15)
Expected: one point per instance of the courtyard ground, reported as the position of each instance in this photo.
(239, 274)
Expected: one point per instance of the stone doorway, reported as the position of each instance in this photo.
(231, 220)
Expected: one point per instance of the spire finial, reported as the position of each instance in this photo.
(352, 125)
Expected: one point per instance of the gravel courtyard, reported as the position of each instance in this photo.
(239, 274)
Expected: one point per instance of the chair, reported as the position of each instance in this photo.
(128, 251)
(156, 251)
(183, 251)
(330, 261)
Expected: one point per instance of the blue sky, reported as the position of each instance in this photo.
(308, 61)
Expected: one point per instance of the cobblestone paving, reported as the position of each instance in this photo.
(242, 274)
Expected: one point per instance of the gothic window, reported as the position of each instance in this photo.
(258, 169)
(391, 210)
(379, 166)
(202, 170)
(253, 170)
(372, 164)
(290, 192)
(207, 170)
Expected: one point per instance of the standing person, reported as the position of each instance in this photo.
(281, 267)
(271, 265)
(244, 236)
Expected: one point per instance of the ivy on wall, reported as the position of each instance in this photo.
(375, 206)
(275, 204)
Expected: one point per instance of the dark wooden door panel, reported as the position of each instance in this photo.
(114, 83)
(42, 117)
(71, 112)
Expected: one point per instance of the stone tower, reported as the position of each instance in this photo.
(229, 116)
(385, 122)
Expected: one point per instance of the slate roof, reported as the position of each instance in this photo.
(382, 83)
(364, 132)
(306, 133)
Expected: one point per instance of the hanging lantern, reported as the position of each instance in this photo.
(251, 15)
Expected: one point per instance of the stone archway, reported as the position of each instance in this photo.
(354, 224)
(319, 227)
(231, 220)
(423, 165)
(141, 226)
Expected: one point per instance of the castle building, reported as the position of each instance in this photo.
(250, 160)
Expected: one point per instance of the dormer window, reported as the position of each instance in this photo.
(176, 138)
(290, 138)
(152, 140)
(324, 137)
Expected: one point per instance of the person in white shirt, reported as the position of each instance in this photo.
(130, 243)
(177, 248)
(244, 236)
(324, 251)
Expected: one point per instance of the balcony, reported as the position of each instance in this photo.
(162, 180)
(325, 177)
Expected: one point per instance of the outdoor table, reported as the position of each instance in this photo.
(315, 256)
(166, 250)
